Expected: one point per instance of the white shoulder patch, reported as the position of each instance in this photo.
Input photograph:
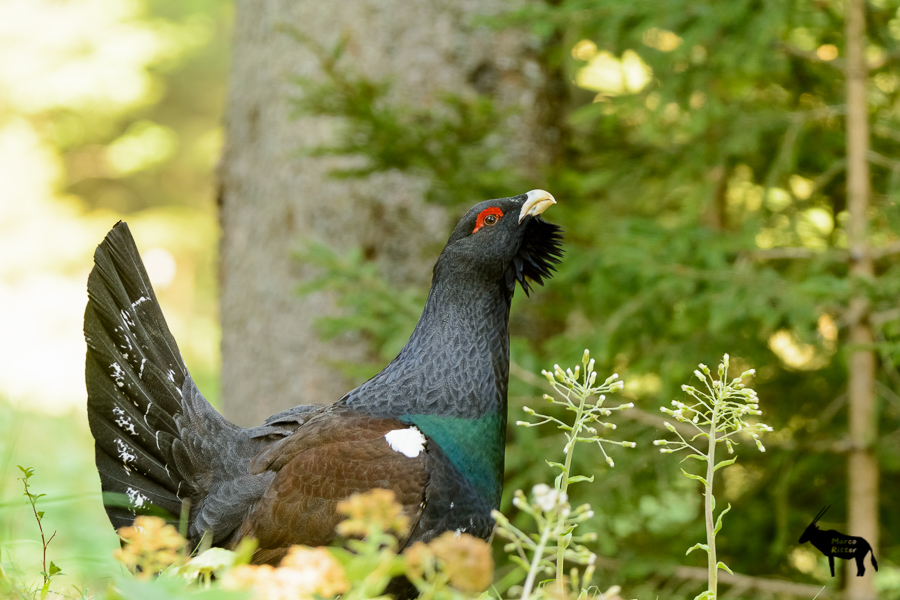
(409, 442)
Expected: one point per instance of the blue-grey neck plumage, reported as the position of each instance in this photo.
(456, 363)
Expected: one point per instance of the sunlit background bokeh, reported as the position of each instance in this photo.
(109, 109)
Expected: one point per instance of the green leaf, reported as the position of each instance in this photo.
(54, 569)
(243, 554)
(695, 457)
(707, 595)
(577, 478)
(695, 547)
(697, 477)
(557, 465)
(724, 567)
(724, 463)
(40, 514)
(207, 562)
(719, 520)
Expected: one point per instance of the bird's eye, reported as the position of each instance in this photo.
(488, 216)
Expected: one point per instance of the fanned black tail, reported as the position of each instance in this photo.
(134, 374)
(158, 442)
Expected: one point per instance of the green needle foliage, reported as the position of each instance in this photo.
(450, 144)
(718, 415)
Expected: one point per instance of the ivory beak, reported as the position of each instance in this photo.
(538, 201)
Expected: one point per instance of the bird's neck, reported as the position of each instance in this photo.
(456, 362)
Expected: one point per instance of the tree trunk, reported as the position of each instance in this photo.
(272, 198)
(862, 466)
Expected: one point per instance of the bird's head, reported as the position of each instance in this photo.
(505, 240)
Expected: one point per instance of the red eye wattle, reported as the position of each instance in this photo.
(488, 216)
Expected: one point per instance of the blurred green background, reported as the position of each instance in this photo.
(109, 109)
(692, 142)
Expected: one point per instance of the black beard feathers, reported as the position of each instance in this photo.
(540, 252)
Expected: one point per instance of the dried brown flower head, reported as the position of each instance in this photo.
(378, 508)
(465, 560)
(149, 546)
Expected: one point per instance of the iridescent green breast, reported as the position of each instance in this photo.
(474, 446)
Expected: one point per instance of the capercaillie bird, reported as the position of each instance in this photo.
(431, 426)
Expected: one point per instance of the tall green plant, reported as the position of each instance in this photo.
(577, 392)
(48, 572)
(718, 415)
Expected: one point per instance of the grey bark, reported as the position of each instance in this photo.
(862, 464)
(272, 198)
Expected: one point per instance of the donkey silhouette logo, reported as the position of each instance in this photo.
(833, 544)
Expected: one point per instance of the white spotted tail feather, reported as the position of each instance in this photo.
(158, 442)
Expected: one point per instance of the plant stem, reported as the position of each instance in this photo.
(44, 541)
(710, 523)
(536, 561)
(564, 481)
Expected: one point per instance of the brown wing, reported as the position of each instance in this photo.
(328, 459)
